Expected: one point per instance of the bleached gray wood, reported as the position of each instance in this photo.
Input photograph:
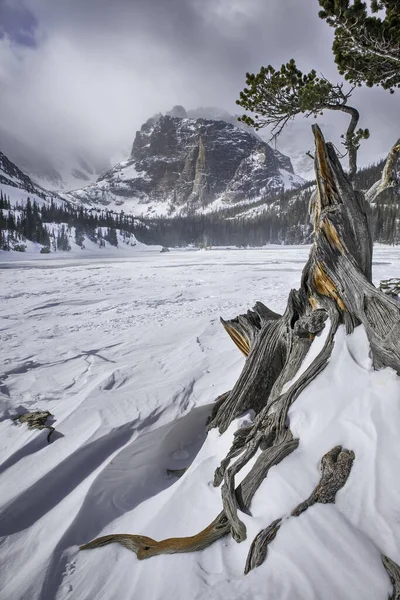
(393, 570)
(391, 286)
(259, 547)
(335, 470)
(269, 430)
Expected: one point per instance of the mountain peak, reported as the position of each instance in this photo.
(178, 111)
(185, 162)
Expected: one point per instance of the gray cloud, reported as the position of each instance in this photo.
(17, 22)
(94, 70)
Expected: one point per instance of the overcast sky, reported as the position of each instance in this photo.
(92, 71)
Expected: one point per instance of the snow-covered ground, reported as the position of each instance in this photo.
(128, 355)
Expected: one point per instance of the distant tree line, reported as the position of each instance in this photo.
(277, 222)
(20, 223)
(279, 219)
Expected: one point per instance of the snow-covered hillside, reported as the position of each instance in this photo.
(17, 184)
(53, 166)
(75, 230)
(80, 232)
(126, 245)
(129, 355)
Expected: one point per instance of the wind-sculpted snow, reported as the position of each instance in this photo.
(129, 355)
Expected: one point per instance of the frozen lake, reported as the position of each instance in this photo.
(115, 349)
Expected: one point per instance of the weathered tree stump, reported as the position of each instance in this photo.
(336, 288)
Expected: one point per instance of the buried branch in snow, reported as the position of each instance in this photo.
(37, 420)
(335, 470)
(336, 288)
(393, 570)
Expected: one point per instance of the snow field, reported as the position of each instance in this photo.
(128, 355)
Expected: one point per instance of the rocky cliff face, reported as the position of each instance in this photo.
(180, 165)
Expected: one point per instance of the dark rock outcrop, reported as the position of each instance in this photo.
(185, 165)
(11, 175)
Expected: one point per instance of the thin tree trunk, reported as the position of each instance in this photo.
(350, 144)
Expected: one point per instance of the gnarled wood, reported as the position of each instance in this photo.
(244, 329)
(391, 286)
(145, 547)
(255, 382)
(269, 430)
(336, 288)
(393, 570)
(259, 547)
(335, 470)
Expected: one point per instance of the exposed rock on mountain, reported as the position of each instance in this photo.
(216, 113)
(183, 165)
(62, 169)
(281, 218)
(11, 175)
(178, 111)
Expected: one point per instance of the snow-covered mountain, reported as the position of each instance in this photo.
(60, 169)
(183, 165)
(296, 141)
(17, 184)
(280, 217)
(35, 220)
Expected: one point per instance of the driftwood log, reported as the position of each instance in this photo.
(336, 288)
